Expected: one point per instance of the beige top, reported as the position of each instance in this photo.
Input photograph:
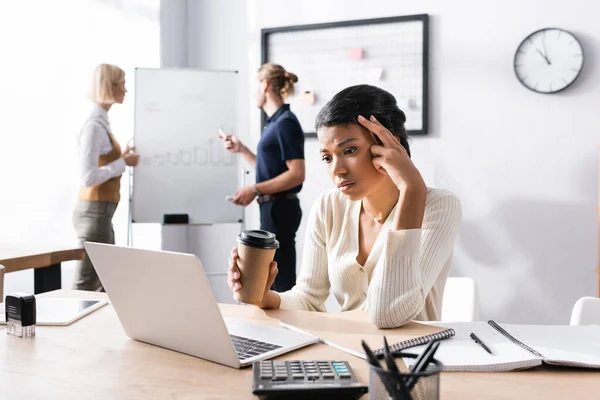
(403, 278)
(100, 157)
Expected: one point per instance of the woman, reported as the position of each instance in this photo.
(279, 163)
(381, 240)
(102, 164)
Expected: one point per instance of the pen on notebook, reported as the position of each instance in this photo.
(479, 342)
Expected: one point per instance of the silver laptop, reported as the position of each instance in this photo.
(165, 299)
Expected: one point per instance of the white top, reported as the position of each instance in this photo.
(94, 142)
(404, 276)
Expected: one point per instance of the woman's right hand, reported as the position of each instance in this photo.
(233, 279)
(130, 157)
(231, 142)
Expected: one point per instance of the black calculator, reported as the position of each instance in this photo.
(300, 378)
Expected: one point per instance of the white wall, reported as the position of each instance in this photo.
(173, 34)
(49, 51)
(523, 164)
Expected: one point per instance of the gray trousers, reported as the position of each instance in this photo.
(93, 223)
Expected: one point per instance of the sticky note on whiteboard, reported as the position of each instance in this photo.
(308, 98)
(375, 74)
(356, 53)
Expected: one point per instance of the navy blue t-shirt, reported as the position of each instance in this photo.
(282, 140)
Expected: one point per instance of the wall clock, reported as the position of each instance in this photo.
(548, 60)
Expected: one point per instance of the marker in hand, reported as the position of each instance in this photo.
(222, 134)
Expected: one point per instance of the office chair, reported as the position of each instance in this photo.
(586, 311)
(460, 300)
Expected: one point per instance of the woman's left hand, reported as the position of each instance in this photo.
(392, 159)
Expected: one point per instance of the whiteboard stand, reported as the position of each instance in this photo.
(129, 227)
(245, 173)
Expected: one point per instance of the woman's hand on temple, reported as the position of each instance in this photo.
(391, 158)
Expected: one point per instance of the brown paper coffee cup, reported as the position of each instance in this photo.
(254, 270)
(256, 250)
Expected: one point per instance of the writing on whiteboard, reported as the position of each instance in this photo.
(152, 106)
(211, 154)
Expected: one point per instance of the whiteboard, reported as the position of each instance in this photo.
(183, 167)
(390, 53)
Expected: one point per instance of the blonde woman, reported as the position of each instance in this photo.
(279, 163)
(102, 163)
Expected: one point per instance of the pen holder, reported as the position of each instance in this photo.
(384, 384)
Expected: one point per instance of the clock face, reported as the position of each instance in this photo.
(548, 60)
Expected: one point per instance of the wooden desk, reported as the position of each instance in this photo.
(45, 259)
(94, 359)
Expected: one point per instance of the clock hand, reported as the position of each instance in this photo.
(545, 52)
(542, 54)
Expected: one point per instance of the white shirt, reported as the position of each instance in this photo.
(404, 276)
(94, 141)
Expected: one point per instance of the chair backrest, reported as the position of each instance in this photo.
(1, 284)
(460, 300)
(586, 311)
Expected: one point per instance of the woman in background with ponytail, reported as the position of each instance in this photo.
(279, 163)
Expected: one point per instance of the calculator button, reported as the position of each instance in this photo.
(345, 375)
(312, 377)
(328, 376)
(279, 378)
(266, 376)
(298, 376)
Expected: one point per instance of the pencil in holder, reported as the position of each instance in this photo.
(404, 385)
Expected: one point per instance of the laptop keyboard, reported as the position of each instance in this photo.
(246, 348)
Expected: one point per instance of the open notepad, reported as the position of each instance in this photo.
(346, 330)
(517, 346)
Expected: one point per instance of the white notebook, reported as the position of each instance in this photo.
(517, 346)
